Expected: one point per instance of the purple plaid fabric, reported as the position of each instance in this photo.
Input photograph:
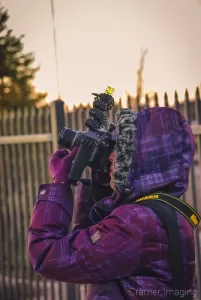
(164, 152)
(130, 244)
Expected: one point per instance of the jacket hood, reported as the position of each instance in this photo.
(154, 151)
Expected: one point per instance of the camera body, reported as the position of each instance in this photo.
(95, 145)
(95, 148)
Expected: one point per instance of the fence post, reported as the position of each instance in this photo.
(57, 121)
(66, 291)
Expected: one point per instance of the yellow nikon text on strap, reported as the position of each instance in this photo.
(184, 208)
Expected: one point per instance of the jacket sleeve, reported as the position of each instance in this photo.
(106, 251)
(83, 203)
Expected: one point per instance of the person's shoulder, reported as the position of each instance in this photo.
(136, 215)
(133, 209)
(139, 215)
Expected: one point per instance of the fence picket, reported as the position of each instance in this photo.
(4, 219)
(166, 100)
(8, 195)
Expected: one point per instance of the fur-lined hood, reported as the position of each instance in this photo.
(154, 151)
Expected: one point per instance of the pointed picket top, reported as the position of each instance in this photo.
(137, 104)
(138, 100)
(81, 106)
(166, 99)
(74, 108)
(186, 105)
(70, 109)
(197, 93)
(197, 105)
(176, 100)
(156, 99)
(128, 101)
(186, 95)
(147, 101)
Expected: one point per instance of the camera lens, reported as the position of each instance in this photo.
(66, 137)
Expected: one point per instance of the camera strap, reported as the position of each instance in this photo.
(165, 207)
(177, 204)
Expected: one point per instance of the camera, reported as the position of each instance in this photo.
(95, 145)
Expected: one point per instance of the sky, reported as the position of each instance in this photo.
(99, 44)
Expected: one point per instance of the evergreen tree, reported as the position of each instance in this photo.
(16, 71)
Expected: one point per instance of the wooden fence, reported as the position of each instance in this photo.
(28, 136)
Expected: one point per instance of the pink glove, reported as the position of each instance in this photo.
(60, 164)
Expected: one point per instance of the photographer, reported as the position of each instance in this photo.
(119, 246)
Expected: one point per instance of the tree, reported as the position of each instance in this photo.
(16, 71)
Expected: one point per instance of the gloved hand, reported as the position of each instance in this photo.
(60, 164)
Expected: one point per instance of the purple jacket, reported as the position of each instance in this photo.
(123, 254)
